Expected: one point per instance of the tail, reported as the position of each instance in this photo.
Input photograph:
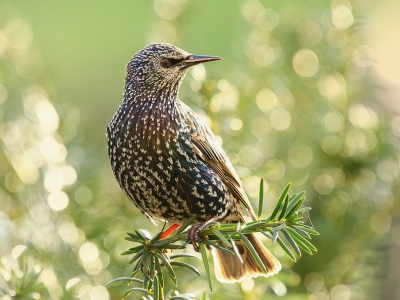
(228, 268)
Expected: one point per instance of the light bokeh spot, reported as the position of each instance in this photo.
(83, 196)
(58, 200)
(305, 63)
(19, 34)
(279, 288)
(363, 117)
(388, 170)
(251, 9)
(300, 155)
(268, 19)
(99, 293)
(71, 283)
(198, 72)
(263, 55)
(52, 150)
(162, 32)
(266, 100)
(17, 251)
(49, 279)
(333, 121)
(333, 88)
(168, 9)
(324, 183)
(236, 124)
(68, 175)
(47, 115)
(53, 182)
(342, 17)
(26, 169)
(340, 292)
(280, 119)
(381, 222)
(88, 252)
(227, 99)
(247, 284)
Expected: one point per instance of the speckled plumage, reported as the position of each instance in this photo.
(165, 158)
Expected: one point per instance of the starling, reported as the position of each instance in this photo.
(169, 162)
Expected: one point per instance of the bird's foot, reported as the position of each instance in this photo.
(193, 233)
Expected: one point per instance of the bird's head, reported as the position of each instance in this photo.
(161, 65)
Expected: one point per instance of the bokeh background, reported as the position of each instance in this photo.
(308, 92)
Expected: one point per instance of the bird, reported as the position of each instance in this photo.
(170, 164)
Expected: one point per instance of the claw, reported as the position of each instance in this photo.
(193, 233)
(193, 236)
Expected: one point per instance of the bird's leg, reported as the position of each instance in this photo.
(168, 231)
(193, 233)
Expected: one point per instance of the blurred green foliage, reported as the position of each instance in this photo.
(152, 255)
(293, 100)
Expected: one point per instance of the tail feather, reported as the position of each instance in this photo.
(229, 269)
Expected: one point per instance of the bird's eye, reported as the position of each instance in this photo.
(166, 63)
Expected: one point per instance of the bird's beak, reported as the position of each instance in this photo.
(192, 60)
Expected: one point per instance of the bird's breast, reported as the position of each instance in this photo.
(153, 159)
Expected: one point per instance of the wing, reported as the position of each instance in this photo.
(208, 148)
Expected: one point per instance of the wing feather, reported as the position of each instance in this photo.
(208, 148)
